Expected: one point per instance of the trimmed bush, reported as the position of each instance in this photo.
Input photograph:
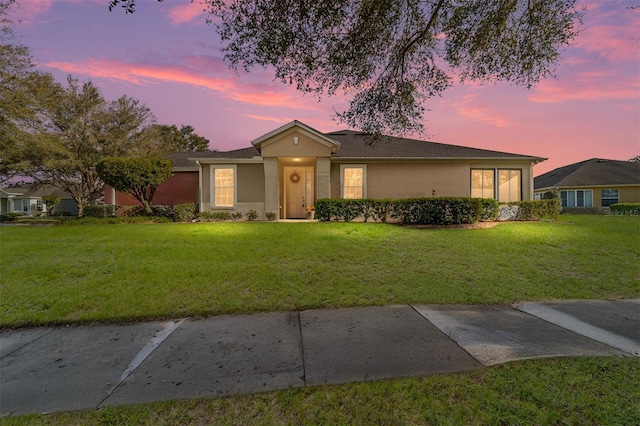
(185, 212)
(535, 210)
(100, 210)
(11, 216)
(252, 215)
(438, 211)
(162, 210)
(490, 209)
(236, 216)
(632, 209)
(270, 216)
(214, 216)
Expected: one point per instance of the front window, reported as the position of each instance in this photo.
(509, 185)
(353, 182)
(482, 183)
(609, 196)
(576, 198)
(223, 186)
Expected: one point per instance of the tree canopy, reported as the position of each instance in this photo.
(390, 57)
(184, 139)
(138, 177)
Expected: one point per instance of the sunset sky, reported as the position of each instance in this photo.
(166, 56)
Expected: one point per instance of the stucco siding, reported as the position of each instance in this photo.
(284, 146)
(406, 180)
(417, 180)
(250, 183)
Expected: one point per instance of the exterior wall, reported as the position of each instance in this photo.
(250, 181)
(284, 146)
(406, 180)
(180, 188)
(626, 194)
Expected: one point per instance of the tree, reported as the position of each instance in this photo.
(50, 202)
(184, 139)
(391, 56)
(23, 93)
(138, 177)
(78, 130)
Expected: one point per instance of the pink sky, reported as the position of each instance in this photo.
(167, 57)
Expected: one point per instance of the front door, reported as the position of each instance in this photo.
(298, 191)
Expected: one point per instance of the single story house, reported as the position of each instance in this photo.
(287, 169)
(27, 199)
(596, 183)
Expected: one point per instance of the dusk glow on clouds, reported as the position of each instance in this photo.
(167, 57)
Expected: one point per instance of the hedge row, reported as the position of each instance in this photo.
(626, 208)
(433, 211)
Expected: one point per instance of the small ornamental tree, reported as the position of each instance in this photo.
(50, 202)
(138, 177)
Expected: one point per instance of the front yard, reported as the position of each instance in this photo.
(70, 274)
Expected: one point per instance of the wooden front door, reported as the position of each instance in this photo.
(299, 191)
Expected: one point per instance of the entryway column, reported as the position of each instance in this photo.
(323, 177)
(271, 197)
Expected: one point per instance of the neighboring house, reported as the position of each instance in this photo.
(287, 169)
(592, 183)
(27, 199)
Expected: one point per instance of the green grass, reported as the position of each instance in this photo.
(584, 391)
(70, 274)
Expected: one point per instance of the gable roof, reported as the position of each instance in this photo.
(593, 172)
(350, 144)
(318, 136)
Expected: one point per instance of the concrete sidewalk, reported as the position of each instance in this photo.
(70, 368)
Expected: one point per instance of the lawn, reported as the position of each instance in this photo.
(584, 391)
(70, 274)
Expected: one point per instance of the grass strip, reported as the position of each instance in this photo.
(585, 391)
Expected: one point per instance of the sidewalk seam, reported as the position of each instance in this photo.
(304, 368)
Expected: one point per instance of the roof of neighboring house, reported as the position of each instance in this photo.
(35, 190)
(596, 171)
(355, 144)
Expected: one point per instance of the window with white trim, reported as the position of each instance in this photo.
(576, 198)
(609, 196)
(509, 185)
(482, 183)
(353, 181)
(223, 186)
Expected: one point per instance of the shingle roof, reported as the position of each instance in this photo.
(360, 145)
(181, 159)
(596, 171)
(36, 190)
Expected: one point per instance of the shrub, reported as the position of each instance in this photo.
(220, 216)
(338, 209)
(61, 214)
(100, 210)
(236, 216)
(582, 210)
(162, 211)
(625, 208)
(11, 216)
(271, 216)
(536, 210)
(185, 212)
(252, 215)
(438, 211)
(490, 209)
